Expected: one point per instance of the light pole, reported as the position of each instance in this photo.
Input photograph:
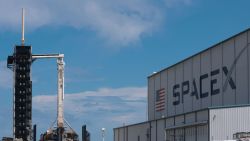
(103, 133)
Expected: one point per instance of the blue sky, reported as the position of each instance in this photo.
(110, 48)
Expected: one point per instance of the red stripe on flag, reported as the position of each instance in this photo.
(161, 92)
(160, 109)
(161, 95)
(160, 106)
(157, 106)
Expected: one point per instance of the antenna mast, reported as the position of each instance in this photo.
(23, 26)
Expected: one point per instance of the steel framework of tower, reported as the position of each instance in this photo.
(20, 63)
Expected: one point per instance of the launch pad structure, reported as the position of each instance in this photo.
(20, 63)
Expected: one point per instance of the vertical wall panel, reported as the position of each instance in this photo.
(216, 57)
(121, 134)
(231, 120)
(171, 83)
(153, 131)
(179, 134)
(188, 99)
(158, 114)
(144, 128)
(170, 136)
(116, 132)
(170, 122)
(248, 36)
(179, 120)
(196, 78)
(202, 133)
(190, 118)
(126, 134)
(228, 59)
(178, 81)
(131, 133)
(160, 130)
(190, 134)
(205, 83)
(248, 55)
(241, 69)
(151, 98)
(164, 83)
(138, 130)
(202, 115)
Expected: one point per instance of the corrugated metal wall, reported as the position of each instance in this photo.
(176, 129)
(171, 81)
(226, 122)
(137, 132)
(151, 99)
(189, 133)
(215, 69)
(122, 134)
(153, 131)
(161, 125)
(202, 133)
(116, 134)
(220, 124)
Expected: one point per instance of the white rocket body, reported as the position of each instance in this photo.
(60, 97)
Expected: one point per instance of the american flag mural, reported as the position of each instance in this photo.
(160, 100)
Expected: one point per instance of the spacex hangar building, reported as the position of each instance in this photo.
(205, 97)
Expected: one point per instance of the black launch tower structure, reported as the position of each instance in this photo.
(20, 64)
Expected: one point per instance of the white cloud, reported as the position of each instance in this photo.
(6, 80)
(10, 14)
(117, 21)
(105, 99)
